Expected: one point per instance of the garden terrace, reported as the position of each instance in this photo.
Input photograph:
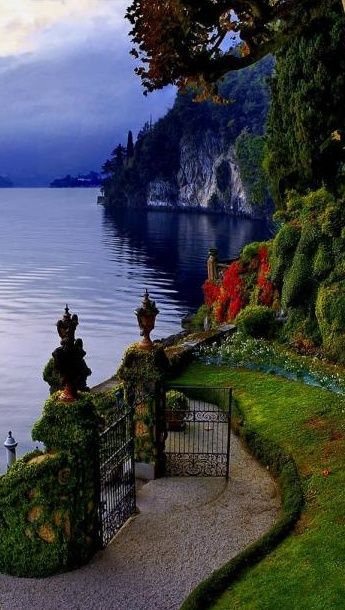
(277, 418)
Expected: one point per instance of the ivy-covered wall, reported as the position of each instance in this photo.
(49, 500)
(143, 373)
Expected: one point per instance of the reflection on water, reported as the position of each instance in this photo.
(58, 247)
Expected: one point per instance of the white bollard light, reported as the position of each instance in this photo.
(10, 446)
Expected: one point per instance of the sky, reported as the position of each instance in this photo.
(68, 92)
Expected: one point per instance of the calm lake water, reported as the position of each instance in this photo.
(57, 247)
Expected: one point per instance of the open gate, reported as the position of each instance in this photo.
(198, 439)
(117, 475)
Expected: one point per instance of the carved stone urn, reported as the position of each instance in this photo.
(146, 315)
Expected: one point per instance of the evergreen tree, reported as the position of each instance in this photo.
(307, 115)
(130, 147)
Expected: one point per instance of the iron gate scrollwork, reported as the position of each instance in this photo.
(117, 474)
(200, 444)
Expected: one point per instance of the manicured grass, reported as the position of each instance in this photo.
(307, 570)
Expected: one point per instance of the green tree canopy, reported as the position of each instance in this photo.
(306, 122)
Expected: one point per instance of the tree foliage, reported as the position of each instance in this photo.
(192, 41)
(306, 122)
(250, 153)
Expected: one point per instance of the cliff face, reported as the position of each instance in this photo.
(208, 179)
(202, 156)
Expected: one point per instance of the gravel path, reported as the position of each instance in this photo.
(186, 528)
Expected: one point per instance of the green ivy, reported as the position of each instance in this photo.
(49, 500)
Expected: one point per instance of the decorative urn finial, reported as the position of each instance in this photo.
(146, 315)
(69, 358)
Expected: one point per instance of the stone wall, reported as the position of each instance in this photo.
(49, 499)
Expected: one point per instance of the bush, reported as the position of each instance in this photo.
(176, 401)
(330, 311)
(336, 349)
(250, 251)
(200, 316)
(298, 282)
(283, 247)
(310, 237)
(323, 262)
(286, 240)
(256, 321)
(52, 377)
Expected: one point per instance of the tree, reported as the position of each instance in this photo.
(198, 41)
(306, 120)
(130, 147)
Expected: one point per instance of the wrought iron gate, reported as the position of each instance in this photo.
(117, 476)
(198, 440)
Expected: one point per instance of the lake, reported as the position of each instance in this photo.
(58, 247)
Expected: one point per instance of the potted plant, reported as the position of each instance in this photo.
(176, 409)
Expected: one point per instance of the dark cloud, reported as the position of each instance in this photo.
(64, 111)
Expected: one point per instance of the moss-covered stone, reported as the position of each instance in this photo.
(46, 524)
(143, 373)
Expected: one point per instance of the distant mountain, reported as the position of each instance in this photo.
(92, 179)
(5, 183)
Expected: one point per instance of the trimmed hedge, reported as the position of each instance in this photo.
(256, 321)
(284, 469)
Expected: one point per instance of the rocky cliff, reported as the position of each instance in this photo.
(208, 179)
(199, 156)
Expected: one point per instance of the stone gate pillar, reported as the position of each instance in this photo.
(143, 372)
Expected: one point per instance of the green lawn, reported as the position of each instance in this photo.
(307, 570)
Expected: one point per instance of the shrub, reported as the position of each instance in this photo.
(286, 240)
(297, 282)
(176, 401)
(211, 292)
(232, 294)
(330, 311)
(52, 377)
(310, 238)
(283, 247)
(198, 319)
(336, 349)
(256, 321)
(323, 262)
(250, 251)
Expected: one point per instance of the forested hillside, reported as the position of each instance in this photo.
(215, 131)
(303, 270)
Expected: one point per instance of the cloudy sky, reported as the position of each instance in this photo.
(68, 93)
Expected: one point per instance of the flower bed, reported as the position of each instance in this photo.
(258, 354)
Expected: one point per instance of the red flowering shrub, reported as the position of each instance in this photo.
(266, 288)
(231, 299)
(244, 281)
(211, 292)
